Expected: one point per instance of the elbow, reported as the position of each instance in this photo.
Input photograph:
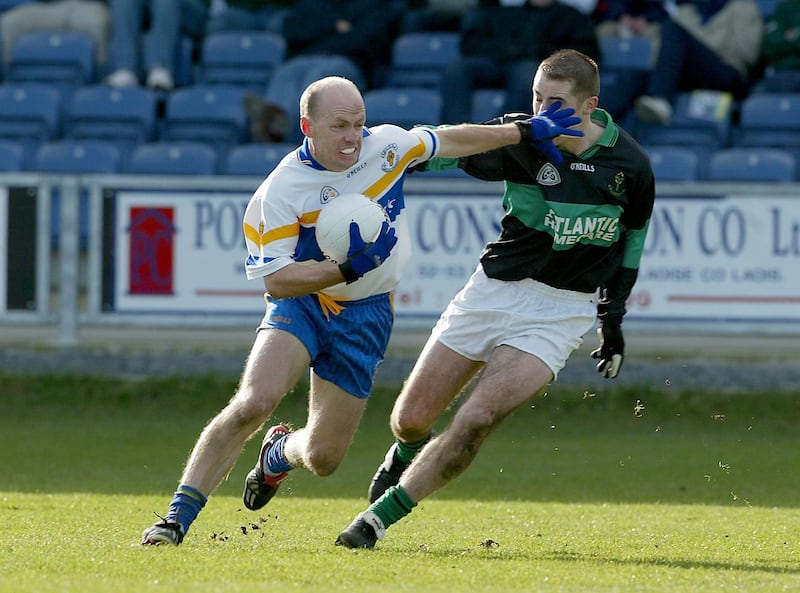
(277, 289)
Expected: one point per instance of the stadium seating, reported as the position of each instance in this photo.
(11, 156)
(701, 118)
(30, 113)
(748, 164)
(206, 113)
(778, 81)
(77, 156)
(241, 58)
(173, 158)
(674, 163)
(404, 107)
(418, 59)
(255, 159)
(125, 116)
(65, 58)
(626, 53)
(769, 119)
(487, 104)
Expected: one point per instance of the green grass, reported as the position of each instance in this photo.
(692, 492)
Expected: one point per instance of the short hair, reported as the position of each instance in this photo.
(309, 100)
(572, 65)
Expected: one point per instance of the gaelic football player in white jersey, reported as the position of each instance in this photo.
(334, 318)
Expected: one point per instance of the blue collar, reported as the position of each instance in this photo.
(307, 159)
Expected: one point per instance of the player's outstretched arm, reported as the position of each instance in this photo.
(468, 139)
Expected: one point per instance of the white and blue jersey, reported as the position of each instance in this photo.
(346, 327)
(280, 218)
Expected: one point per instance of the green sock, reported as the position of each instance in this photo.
(393, 505)
(405, 452)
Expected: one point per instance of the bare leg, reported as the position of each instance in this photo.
(333, 417)
(438, 377)
(276, 362)
(510, 378)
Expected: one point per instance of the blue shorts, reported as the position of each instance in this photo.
(345, 349)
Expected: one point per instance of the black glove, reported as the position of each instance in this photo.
(363, 257)
(612, 347)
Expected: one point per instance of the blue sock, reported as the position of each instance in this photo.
(275, 462)
(185, 506)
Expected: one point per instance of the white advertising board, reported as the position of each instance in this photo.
(706, 258)
(3, 249)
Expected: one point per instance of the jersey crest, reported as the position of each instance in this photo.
(548, 175)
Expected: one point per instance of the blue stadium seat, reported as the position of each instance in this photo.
(66, 58)
(700, 118)
(124, 116)
(487, 104)
(418, 59)
(30, 113)
(674, 163)
(778, 81)
(206, 113)
(12, 156)
(626, 53)
(404, 107)
(173, 158)
(255, 159)
(292, 76)
(77, 156)
(769, 119)
(747, 164)
(241, 58)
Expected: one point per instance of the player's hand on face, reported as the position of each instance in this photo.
(542, 128)
(363, 257)
(611, 350)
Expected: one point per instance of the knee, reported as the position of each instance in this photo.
(410, 424)
(249, 408)
(321, 463)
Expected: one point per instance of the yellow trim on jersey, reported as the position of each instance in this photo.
(377, 188)
(282, 232)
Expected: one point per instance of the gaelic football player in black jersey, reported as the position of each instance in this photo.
(577, 211)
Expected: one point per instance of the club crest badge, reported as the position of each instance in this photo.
(389, 158)
(548, 175)
(327, 194)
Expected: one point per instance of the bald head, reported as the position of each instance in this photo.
(313, 96)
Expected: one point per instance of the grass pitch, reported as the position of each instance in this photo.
(614, 491)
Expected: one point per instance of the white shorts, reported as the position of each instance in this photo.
(545, 322)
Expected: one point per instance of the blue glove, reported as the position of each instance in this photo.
(612, 348)
(363, 257)
(542, 128)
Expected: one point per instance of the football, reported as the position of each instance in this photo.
(333, 224)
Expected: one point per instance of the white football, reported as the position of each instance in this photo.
(333, 224)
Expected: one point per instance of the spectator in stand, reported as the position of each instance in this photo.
(132, 52)
(502, 46)
(631, 18)
(247, 15)
(361, 30)
(85, 16)
(780, 49)
(628, 19)
(355, 35)
(705, 44)
(435, 15)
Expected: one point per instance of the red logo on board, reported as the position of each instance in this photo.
(151, 257)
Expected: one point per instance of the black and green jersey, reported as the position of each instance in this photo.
(579, 225)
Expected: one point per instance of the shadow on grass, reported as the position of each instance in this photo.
(755, 567)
